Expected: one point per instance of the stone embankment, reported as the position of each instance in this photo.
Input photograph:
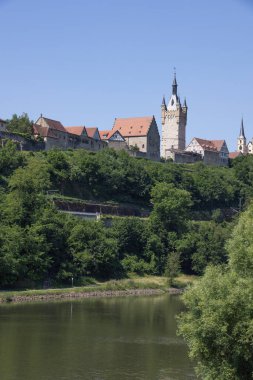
(78, 295)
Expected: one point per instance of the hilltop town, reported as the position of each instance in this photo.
(138, 136)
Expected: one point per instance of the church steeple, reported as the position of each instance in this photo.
(241, 141)
(242, 130)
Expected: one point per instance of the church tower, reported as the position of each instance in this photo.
(174, 119)
(241, 141)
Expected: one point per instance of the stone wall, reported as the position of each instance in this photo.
(21, 142)
(183, 157)
(211, 158)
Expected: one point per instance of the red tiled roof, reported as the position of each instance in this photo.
(54, 124)
(76, 130)
(218, 144)
(133, 126)
(91, 131)
(105, 135)
(206, 144)
(234, 154)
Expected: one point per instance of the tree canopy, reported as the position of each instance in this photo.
(218, 325)
(20, 124)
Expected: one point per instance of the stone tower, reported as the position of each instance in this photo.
(174, 119)
(241, 141)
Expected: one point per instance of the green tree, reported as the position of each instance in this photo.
(171, 207)
(218, 325)
(94, 253)
(26, 197)
(21, 124)
(173, 266)
(11, 245)
(10, 158)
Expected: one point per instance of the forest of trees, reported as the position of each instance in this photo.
(38, 243)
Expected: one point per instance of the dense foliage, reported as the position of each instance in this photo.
(20, 124)
(38, 243)
(218, 326)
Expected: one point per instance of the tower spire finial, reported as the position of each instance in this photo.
(174, 84)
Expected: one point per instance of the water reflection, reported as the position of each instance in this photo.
(106, 338)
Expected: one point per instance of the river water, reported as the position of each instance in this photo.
(93, 339)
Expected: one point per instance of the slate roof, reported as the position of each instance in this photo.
(133, 126)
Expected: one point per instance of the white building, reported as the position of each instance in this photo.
(213, 152)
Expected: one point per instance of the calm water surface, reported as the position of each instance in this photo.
(94, 339)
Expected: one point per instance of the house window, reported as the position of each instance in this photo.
(143, 146)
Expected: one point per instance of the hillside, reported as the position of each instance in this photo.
(186, 223)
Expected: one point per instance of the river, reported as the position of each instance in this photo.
(94, 339)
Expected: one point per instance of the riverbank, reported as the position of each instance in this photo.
(150, 285)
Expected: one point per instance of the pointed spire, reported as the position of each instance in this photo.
(185, 104)
(174, 84)
(163, 101)
(242, 129)
(175, 80)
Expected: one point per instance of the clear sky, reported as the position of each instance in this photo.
(89, 61)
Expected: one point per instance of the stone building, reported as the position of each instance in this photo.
(213, 152)
(174, 119)
(55, 135)
(141, 134)
(96, 142)
(114, 139)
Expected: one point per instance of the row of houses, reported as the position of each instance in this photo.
(139, 136)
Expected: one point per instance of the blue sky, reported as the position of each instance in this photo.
(87, 62)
